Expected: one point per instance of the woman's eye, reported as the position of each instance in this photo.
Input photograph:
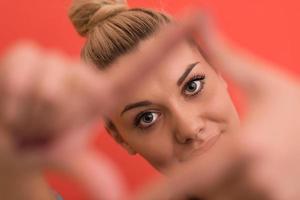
(193, 87)
(147, 119)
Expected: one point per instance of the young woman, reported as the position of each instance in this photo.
(183, 111)
(177, 113)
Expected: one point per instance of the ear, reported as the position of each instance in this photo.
(111, 129)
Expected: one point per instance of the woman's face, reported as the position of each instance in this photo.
(176, 113)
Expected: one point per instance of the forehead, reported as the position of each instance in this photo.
(159, 84)
(176, 62)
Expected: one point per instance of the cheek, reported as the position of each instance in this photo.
(219, 106)
(156, 147)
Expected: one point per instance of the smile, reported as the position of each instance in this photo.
(204, 147)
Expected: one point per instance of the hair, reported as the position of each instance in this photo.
(112, 29)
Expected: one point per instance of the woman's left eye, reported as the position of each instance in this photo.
(193, 87)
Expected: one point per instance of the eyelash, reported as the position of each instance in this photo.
(197, 77)
(138, 118)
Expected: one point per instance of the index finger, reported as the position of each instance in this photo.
(252, 74)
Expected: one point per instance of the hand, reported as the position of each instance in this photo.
(270, 130)
(260, 162)
(48, 103)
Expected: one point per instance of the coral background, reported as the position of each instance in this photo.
(269, 28)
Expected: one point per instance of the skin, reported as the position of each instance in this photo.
(268, 141)
(177, 113)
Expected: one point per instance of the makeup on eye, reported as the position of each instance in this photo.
(187, 71)
(146, 119)
(194, 85)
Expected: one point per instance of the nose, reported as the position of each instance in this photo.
(188, 127)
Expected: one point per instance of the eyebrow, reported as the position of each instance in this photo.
(189, 68)
(135, 105)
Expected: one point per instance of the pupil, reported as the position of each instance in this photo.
(192, 86)
(148, 117)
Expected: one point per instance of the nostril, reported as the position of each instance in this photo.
(188, 141)
(199, 134)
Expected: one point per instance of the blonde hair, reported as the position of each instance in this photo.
(112, 29)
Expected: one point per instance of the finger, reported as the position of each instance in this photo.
(98, 176)
(255, 76)
(17, 63)
(95, 173)
(16, 79)
(5, 146)
(237, 188)
(71, 156)
(19, 53)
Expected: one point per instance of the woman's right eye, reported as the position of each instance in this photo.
(146, 119)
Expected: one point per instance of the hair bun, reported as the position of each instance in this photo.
(86, 14)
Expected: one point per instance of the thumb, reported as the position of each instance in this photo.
(254, 76)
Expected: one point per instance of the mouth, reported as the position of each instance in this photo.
(205, 146)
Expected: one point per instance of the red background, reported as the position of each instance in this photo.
(269, 28)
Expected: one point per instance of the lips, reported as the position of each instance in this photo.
(205, 146)
(209, 143)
